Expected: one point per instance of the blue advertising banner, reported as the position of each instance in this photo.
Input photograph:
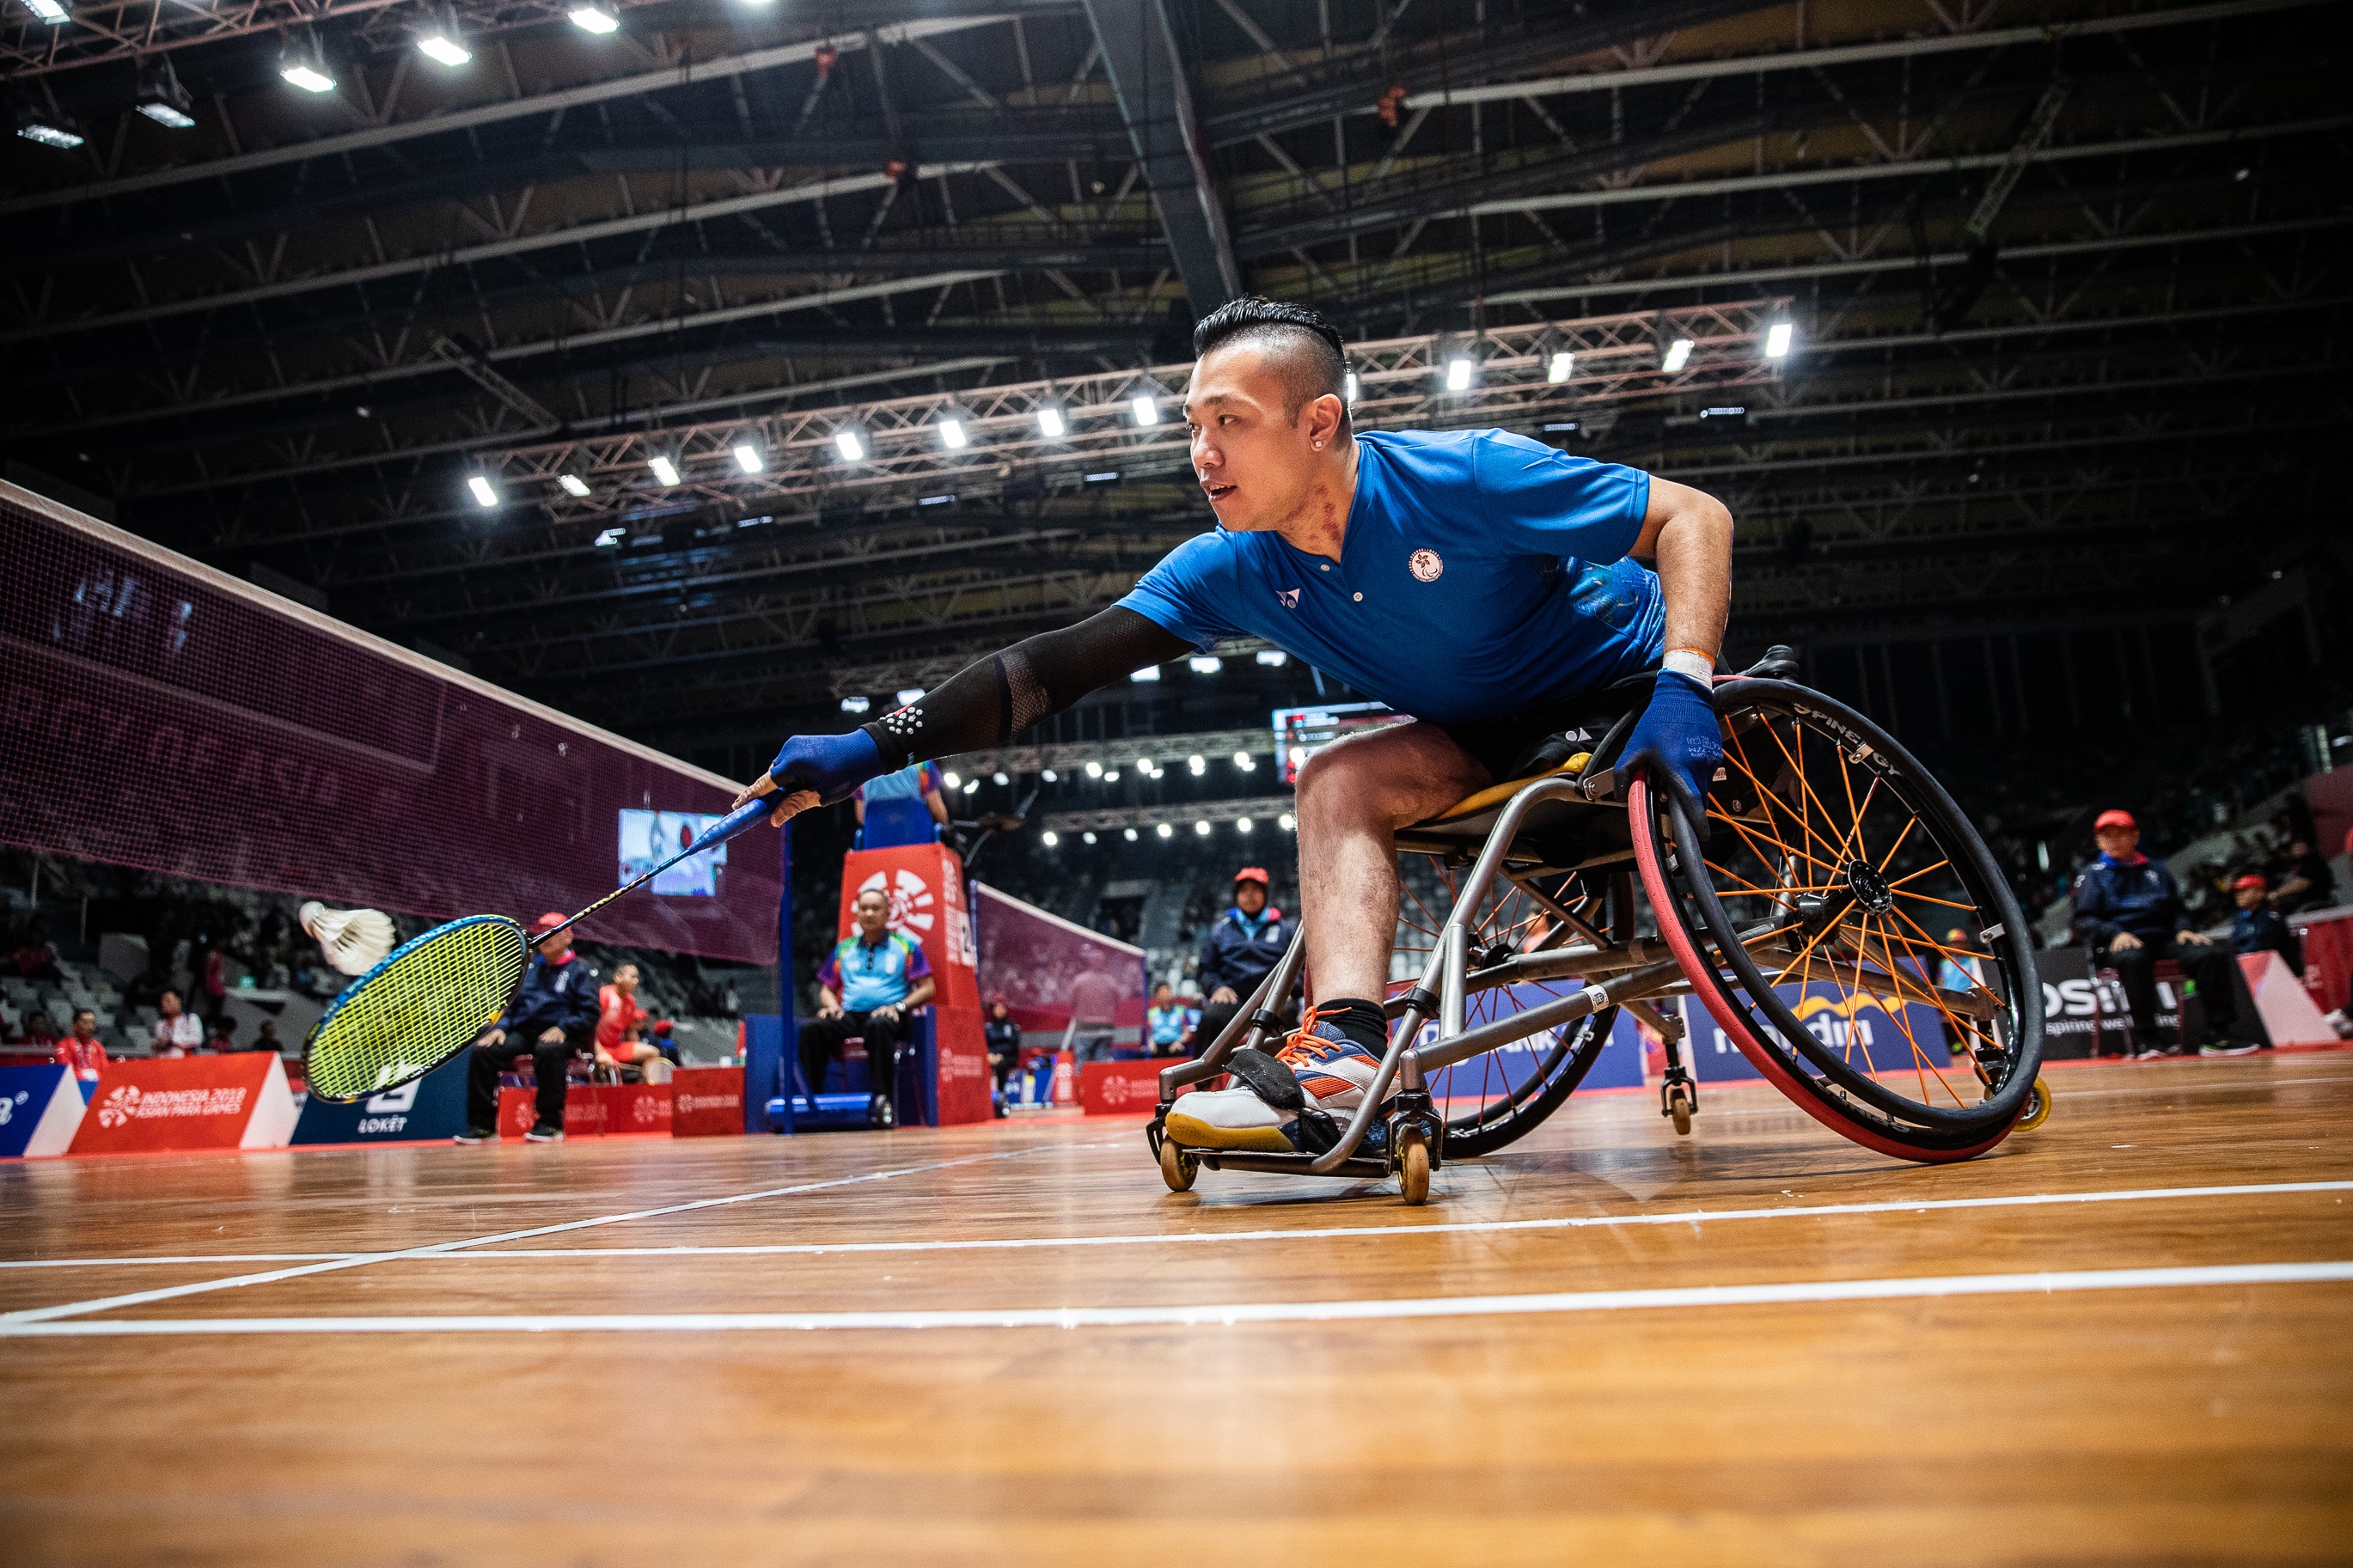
(1869, 1034)
(430, 1109)
(1502, 1070)
(40, 1111)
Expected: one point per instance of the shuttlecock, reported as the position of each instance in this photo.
(353, 941)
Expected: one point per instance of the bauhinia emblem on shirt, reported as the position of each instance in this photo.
(1425, 566)
(1289, 597)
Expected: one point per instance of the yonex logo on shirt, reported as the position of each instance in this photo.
(1288, 597)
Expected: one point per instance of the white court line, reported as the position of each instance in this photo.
(1227, 1314)
(361, 1259)
(1151, 1238)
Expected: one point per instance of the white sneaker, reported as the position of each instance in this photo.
(1333, 1070)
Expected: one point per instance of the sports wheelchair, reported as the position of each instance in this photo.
(1813, 881)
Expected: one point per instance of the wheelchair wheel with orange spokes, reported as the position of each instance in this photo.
(1502, 1095)
(1818, 923)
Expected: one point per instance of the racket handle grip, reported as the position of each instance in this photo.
(750, 814)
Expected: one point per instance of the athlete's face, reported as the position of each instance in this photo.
(1259, 469)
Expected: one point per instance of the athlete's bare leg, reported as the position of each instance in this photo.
(1352, 797)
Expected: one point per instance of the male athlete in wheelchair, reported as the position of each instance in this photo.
(1570, 739)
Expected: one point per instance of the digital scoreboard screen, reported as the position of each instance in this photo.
(650, 838)
(1300, 732)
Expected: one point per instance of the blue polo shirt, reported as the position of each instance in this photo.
(1482, 574)
(867, 975)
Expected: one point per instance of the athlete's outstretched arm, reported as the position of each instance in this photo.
(986, 703)
(1688, 535)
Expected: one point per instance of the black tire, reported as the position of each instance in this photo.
(1749, 898)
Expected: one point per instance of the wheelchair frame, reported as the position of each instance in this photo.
(1632, 973)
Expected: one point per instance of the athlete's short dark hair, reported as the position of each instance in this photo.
(1313, 361)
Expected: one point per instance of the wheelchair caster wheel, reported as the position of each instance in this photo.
(882, 1115)
(1413, 1166)
(2037, 1108)
(1679, 1106)
(1178, 1168)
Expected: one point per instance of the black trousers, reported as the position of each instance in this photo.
(821, 1042)
(485, 1063)
(2208, 966)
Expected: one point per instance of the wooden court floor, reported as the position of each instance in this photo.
(2127, 1337)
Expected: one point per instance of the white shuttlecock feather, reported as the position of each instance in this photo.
(353, 941)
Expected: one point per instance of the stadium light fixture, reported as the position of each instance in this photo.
(1165, 830)
(1197, 765)
(162, 98)
(971, 785)
(951, 779)
(1286, 822)
(1274, 657)
(851, 444)
(1144, 766)
(1245, 762)
(1052, 423)
(1149, 672)
(1349, 388)
(594, 18)
(1562, 364)
(1202, 827)
(1241, 824)
(573, 485)
(49, 11)
(909, 694)
(1147, 408)
(1130, 834)
(1776, 340)
(48, 130)
(611, 538)
(952, 436)
(1458, 374)
(748, 458)
(664, 469)
(1206, 663)
(1111, 775)
(1050, 776)
(1094, 770)
(1089, 837)
(856, 704)
(485, 493)
(999, 777)
(304, 65)
(1049, 838)
(1679, 355)
(438, 42)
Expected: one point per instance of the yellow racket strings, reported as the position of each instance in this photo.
(420, 1006)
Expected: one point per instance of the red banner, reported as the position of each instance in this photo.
(706, 1102)
(1123, 1089)
(236, 1101)
(591, 1110)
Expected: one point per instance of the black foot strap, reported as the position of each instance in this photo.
(1272, 1080)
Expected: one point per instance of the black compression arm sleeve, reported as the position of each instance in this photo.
(988, 702)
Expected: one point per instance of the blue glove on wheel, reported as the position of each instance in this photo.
(1679, 729)
(832, 765)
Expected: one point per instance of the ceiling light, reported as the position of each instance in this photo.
(1108, 477)
(1678, 355)
(852, 447)
(1149, 672)
(1561, 364)
(1111, 775)
(1051, 422)
(1147, 408)
(1348, 387)
(1206, 663)
(951, 779)
(162, 98)
(908, 694)
(1130, 834)
(484, 494)
(1094, 770)
(1729, 411)
(664, 469)
(49, 11)
(856, 704)
(970, 785)
(440, 44)
(1776, 340)
(1244, 760)
(1241, 824)
(169, 116)
(999, 777)
(310, 79)
(1458, 375)
(748, 458)
(954, 435)
(1049, 838)
(1090, 837)
(1050, 775)
(1144, 765)
(301, 63)
(48, 131)
(1286, 822)
(1197, 765)
(611, 538)
(1274, 657)
(1163, 830)
(934, 501)
(1202, 828)
(573, 485)
(594, 18)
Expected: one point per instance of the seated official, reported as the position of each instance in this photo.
(1243, 945)
(554, 1014)
(1168, 1024)
(866, 987)
(82, 1050)
(2128, 911)
(2259, 928)
(1003, 1033)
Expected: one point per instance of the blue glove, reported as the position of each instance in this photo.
(1679, 729)
(832, 765)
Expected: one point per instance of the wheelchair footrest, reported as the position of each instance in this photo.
(1355, 1169)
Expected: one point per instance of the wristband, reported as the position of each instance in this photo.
(1690, 663)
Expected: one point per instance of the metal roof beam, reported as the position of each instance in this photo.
(1155, 97)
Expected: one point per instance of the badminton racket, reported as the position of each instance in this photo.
(434, 994)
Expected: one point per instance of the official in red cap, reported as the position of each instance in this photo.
(553, 1015)
(2259, 926)
(2129, 913)
(1242, 945)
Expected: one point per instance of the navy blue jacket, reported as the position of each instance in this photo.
(2264, 929)
(554, 996)
(1239, 951)
(2142, 899)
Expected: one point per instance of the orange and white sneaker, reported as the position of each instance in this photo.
(1296, 1100)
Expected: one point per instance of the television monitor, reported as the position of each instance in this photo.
(650, 838)
(1300, 732)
